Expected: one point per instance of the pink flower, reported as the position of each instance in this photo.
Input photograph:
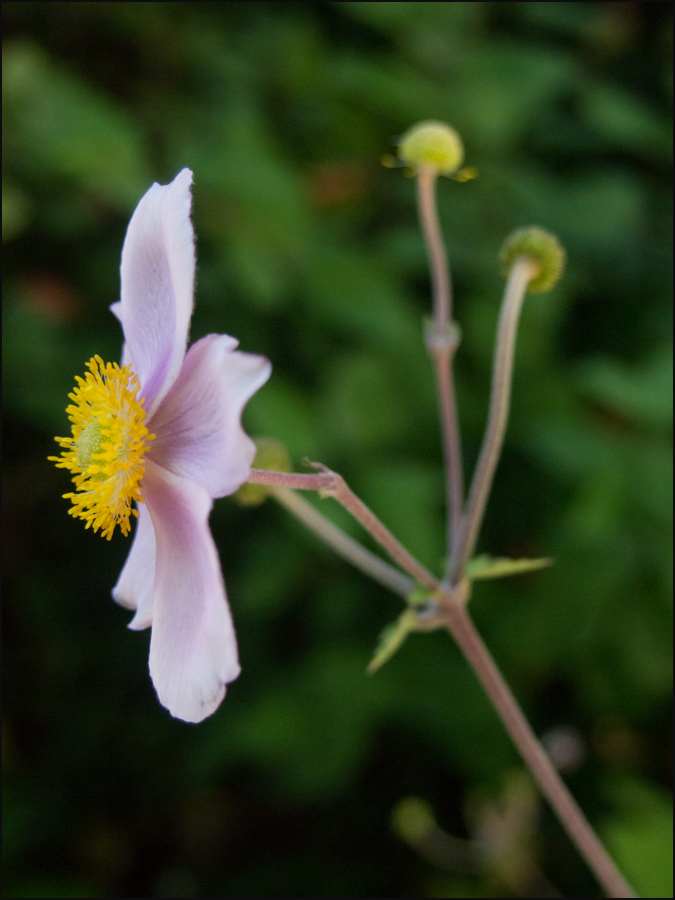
(175, 449)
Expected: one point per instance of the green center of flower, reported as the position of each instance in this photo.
(89, 443)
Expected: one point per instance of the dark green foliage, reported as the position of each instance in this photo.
(309, 252)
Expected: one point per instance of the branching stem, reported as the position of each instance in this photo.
(454, 616)
(330, 484)
(355, 553)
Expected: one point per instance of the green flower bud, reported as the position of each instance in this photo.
(543, 248)
(413, 819)
(271, 455)
(434, 145)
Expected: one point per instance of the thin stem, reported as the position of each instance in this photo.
(442, 340)
(330, 484)
(516, 285)
(291, 480)
(457, 620)
(554, 789)
(438, 262)
(454, 616)
(451, 450)
(344, 495)
(343, 544)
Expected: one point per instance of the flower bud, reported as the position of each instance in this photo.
(540, 246)
(433, 145)
(413, 819)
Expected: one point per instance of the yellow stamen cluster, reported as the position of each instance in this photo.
(105, 453)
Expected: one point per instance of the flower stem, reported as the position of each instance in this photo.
(453, 615)
(461, 627)
(343, 544)
(330, 484)
(299, 482)
(438, 262)
(521, 272)
(442, 340)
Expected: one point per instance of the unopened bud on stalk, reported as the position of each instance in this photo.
(433, 145)
(545, 251)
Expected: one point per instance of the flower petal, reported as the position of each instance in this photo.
(116, 310)
(198, 424)
(193, 648)
(158, 269)
(137, 579)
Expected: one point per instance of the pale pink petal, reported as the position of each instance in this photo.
(158, 268)
(193, 648)
(116, 310)
(198, 423)
(136, 582)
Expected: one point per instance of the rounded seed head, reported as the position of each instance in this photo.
(434, 145)
(543, 248)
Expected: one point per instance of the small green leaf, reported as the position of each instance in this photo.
(391, 639)
(497, 567)
(419, 597)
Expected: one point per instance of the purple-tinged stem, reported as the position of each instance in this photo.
(521, 272)
(330, 484)
(359, 556)
(463, 630)
(442, 340)
(454, 616)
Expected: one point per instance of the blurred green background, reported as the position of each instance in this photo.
(312, 779)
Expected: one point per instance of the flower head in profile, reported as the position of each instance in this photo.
(163, 430)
